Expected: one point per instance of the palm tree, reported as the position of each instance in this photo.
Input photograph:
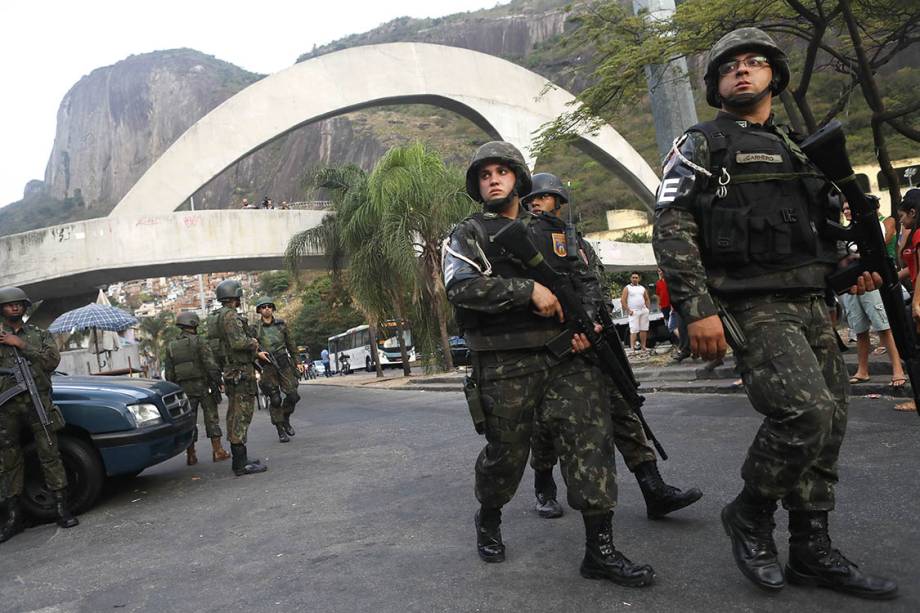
(418, 200)
(155, 333)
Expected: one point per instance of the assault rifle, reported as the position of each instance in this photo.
(608, 348)
(25, 383)
(827, 149)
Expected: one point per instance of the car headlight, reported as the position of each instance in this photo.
(145, 414)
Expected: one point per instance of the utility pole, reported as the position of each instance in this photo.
(203, 306)
(668, 85)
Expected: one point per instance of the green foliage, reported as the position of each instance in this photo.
(274, 283)
(327, 310)
(635, 237)
(155, 334)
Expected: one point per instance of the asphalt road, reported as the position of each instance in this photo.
(370, 509)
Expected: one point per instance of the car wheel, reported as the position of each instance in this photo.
(85, 477)
(368, 365)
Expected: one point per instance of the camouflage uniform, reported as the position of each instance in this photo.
(239, 373)
(276, 340)
(18, 414)
(190, 363)
(792, 370)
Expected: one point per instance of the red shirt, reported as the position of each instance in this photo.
(909, 255)
(664, 298)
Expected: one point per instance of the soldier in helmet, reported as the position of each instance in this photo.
(18, 414)
(508, 318)
(735, 234)
(239, 351)
(545, 201)
(279, 367)
(190, 363)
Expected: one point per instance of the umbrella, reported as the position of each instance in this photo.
(93, 315)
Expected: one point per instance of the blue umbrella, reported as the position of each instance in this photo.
(99, 316)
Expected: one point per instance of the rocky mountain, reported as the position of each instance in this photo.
(117, 120)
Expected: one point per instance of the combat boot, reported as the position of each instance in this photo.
(661, 498)
(544, 488)
(750, 527)
(191, 458)
(64, 518)
(218, 453)
(13, 524)
(282, 435)
(288, 427)
(813, 561)
(241, 464)
(489, 535)
(603, 561)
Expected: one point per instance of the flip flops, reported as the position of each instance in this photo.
(854, 380)
(898, 382)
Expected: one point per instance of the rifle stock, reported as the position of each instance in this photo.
(612, 360)
(826, 148)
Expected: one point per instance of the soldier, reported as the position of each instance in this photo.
(190, 363)
(17, 413)
(545, 200)
(239, 350)
(279, 367)
(736, 219)
(508, 319)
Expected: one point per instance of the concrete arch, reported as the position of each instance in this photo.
(513, 108)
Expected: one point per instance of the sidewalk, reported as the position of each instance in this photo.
(656, 372)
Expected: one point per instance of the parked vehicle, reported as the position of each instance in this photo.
(115, 426)
(459, 352)
(355, 343)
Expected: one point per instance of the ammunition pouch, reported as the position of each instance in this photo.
(186, 371)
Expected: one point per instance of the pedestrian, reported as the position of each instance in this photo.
(18, 413)
(635, 303)
(279, 367)
(507, 319)
(190, 363)
(324, 357)
(736, 219)
(239, 350)
(664, 299)
(909, 217)
(545, 201)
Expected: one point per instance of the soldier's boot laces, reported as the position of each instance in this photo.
(750, 528)
(489, 535)
(191, 458)
(288, 427)
(13, 524)
(544, 488)
(603, 561)
(64, 518)
(813, 561)
(282, 435)
(218, 453)
(661, 498)
(242, 465)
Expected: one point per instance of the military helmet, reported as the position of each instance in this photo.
(498, 151)
(547, 183)
(229, 288)
(736, 41)
(187, 318)
(13, 294)
(263, 301)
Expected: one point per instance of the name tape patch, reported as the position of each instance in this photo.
(767, 158)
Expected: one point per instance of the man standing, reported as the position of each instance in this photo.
(735, 225)
(635, 303)
(190, 363)
(545, 201)
(279, 367)
(508, 319)
(18, 413)
(664, 298)
(239, 350)
(324, 358)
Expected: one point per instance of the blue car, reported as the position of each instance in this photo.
(115, 426)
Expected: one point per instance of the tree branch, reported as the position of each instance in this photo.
(904, 129)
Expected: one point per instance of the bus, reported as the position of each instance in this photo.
(355, 343)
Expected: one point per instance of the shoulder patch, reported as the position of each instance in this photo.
(559, 244)
(750, 158)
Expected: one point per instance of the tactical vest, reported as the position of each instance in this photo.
(241, 357)
(517, 328)
(762, 207)
(217, 348)
(184, 354)
(272, 336)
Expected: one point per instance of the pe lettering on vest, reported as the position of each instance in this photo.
(668, 190)
(765, 158)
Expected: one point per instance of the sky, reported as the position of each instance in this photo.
(46, 46)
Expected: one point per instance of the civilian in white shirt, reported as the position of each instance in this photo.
(636, 303)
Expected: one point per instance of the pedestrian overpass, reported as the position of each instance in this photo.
(144, 236)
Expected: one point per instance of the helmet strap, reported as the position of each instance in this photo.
(500, 204)
(745, 101)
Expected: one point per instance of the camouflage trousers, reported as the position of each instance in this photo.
(570, 398)
(16, 416)
(628, 437)
(209, 409)
(795, 376)
(241, 395)
(275, 382)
